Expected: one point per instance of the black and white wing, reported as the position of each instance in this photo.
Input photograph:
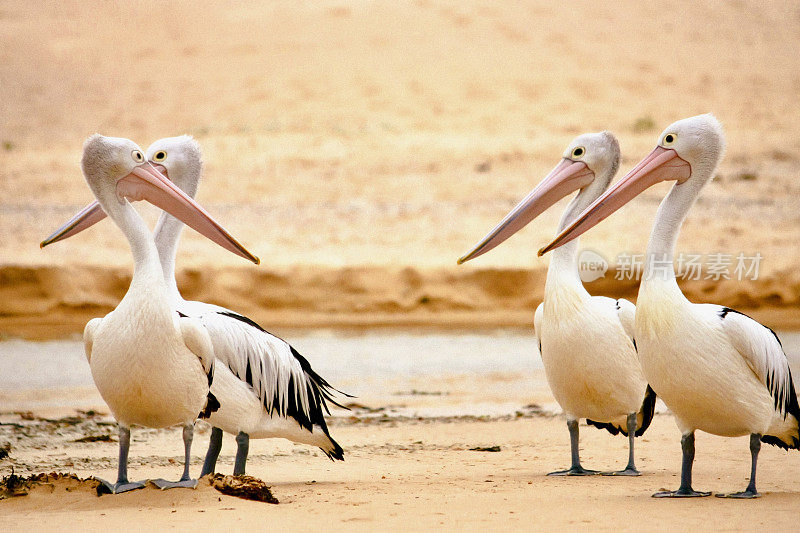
(763, 352)
(281, 377)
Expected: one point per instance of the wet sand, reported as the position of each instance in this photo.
(424, 401)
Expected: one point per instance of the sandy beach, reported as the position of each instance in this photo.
(359, 148)
(422, 475)
(425, 402)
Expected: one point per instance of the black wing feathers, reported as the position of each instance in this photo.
(318, 390)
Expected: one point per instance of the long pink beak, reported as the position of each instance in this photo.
(85, 218)
(662, 164)
(567, 177)
(146, 183)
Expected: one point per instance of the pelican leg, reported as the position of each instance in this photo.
(750, 491)
(685, 490)
(243, 441)
(185, 480)
(576, 469)
(122, 484)
(630, 470)
(214, 447)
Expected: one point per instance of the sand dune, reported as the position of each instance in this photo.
(51, 302)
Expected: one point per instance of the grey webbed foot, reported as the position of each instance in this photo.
(185, 481)
(750, 492)
(685, 490)
(681, 493)
(122, 484)
(575, 471)
(629, 471)
(744, 495)
(117, 488)
(163, 484)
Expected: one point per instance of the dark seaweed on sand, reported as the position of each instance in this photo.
(247, 487)
(14, 485)
(485, 449)
(96, 438)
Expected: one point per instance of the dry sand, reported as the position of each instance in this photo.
(360, 148)
(415, 475)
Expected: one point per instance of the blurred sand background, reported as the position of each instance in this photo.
(359, 148)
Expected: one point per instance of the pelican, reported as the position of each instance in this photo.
(586, 342)
(717, 370)
(262, 386)
(152, 366)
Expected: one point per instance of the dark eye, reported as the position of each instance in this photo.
(160, 155)
(669, 138)
(578, 152)
(137, 156)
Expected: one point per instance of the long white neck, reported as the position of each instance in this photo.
(168, 229)
(659, 267)
(563, 269)
(147, 274)
(167, 235)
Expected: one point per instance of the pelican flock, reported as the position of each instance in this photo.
(262, 386)
(159, 360)
(152, 366)
(586, 342)
(717, 370)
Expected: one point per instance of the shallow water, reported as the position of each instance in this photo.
(491, 366)
(371, 355)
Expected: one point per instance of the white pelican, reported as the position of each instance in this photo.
(717, 370)
(262, 386)
(585, 341)
(151, 366)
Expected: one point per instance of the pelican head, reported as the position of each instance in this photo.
(588, 164)
(117, 172)
(687, 153)
(178, 158)
(697, 140)
(106, 161)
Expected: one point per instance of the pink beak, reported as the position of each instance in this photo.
(662, 164)
(85, 218)
(146, 183)
(88, 216)
(567, 177)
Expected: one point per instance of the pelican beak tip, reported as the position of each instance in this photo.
(42, 244)
(256, 260)
(542, 251)
(461, 260)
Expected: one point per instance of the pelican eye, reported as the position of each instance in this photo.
(137, 156)
(161, 155)
(578, 152)
(669, 139)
